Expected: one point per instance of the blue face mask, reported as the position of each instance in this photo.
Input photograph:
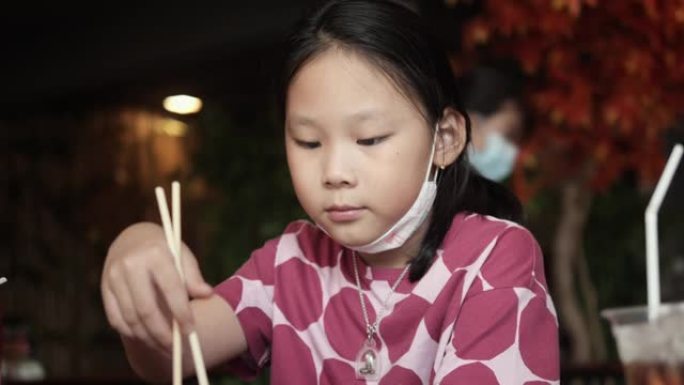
(496, 160)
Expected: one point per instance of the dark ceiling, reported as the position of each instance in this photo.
(54, 52)
(60, 53)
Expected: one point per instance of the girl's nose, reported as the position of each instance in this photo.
(338, 169)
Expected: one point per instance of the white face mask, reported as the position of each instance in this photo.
(496, 160)
(402, 230)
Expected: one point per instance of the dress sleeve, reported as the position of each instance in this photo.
(249, 292)
(506, 331)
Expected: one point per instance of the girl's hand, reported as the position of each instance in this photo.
(142, 291)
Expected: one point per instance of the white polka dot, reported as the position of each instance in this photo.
(429, 289)
(263, 302)
(474, 268)
(421, 347)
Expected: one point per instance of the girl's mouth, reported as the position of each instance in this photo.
(342, 213)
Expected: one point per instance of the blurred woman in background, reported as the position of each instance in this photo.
(492, 99)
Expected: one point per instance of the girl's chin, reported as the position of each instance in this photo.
(346, 234)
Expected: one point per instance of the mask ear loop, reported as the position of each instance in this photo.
(432, 154)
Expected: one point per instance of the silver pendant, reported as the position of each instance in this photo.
(368, 363)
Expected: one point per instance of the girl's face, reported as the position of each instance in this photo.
(357, 148)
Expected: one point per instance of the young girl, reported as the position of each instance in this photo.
(412, 269)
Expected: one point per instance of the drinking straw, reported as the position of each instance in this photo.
(651, 219)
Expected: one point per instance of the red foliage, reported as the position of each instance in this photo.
(607, 80)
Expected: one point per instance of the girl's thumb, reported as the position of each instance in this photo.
(195, 283)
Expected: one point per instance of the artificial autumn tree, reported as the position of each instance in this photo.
(606, 80)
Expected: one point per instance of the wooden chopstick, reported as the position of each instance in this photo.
(172, 231)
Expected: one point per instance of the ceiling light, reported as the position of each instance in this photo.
(182, 104)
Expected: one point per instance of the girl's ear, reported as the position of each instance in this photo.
(451, 138)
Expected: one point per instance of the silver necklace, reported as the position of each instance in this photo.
(367, 360)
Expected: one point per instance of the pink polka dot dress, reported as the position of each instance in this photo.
(482, 313)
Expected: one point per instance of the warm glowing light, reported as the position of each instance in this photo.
(172, 127)
(182, 104)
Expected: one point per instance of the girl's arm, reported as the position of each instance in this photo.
(220, 336)
(142, 293)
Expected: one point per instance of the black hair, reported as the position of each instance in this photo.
(486, 88)
(399, 42)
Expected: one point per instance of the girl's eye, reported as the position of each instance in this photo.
(307, 145)
(372, 141)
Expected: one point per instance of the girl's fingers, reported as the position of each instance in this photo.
(146, 303)
(142, 290)
(114, 313)
(141, 334)
(128, 311)
(176, 297)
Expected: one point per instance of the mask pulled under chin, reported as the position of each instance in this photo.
(402, 230)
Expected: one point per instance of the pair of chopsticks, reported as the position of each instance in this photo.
(172, 231)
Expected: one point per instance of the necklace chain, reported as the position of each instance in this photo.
(372, 328)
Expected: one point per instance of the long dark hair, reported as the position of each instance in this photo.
(400, 43)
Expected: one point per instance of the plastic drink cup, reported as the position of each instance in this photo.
(652, 353)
